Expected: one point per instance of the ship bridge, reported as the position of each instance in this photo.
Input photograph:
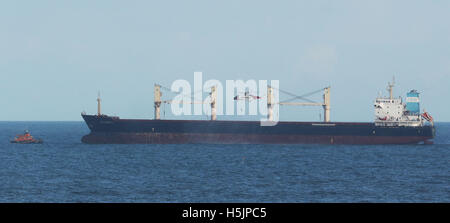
(390, 111)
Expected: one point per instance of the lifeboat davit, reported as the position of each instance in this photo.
(26, 138)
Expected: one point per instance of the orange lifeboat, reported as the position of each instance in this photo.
(26, 138)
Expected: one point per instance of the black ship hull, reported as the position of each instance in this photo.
(113, 130)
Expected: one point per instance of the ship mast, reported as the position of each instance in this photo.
(390, 88)
(158, 95)
(213, 103)
(270, 102)
(158, 101)
(99, 111)
(325, 104)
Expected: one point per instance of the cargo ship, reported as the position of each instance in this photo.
(396, 122)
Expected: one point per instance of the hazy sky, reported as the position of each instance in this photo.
(56, 55)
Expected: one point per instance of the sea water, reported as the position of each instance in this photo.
(65, 170)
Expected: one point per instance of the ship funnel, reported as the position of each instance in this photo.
(413, 102)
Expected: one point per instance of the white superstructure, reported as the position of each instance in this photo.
(390, 111)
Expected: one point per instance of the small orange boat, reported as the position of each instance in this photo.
(26, 138)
